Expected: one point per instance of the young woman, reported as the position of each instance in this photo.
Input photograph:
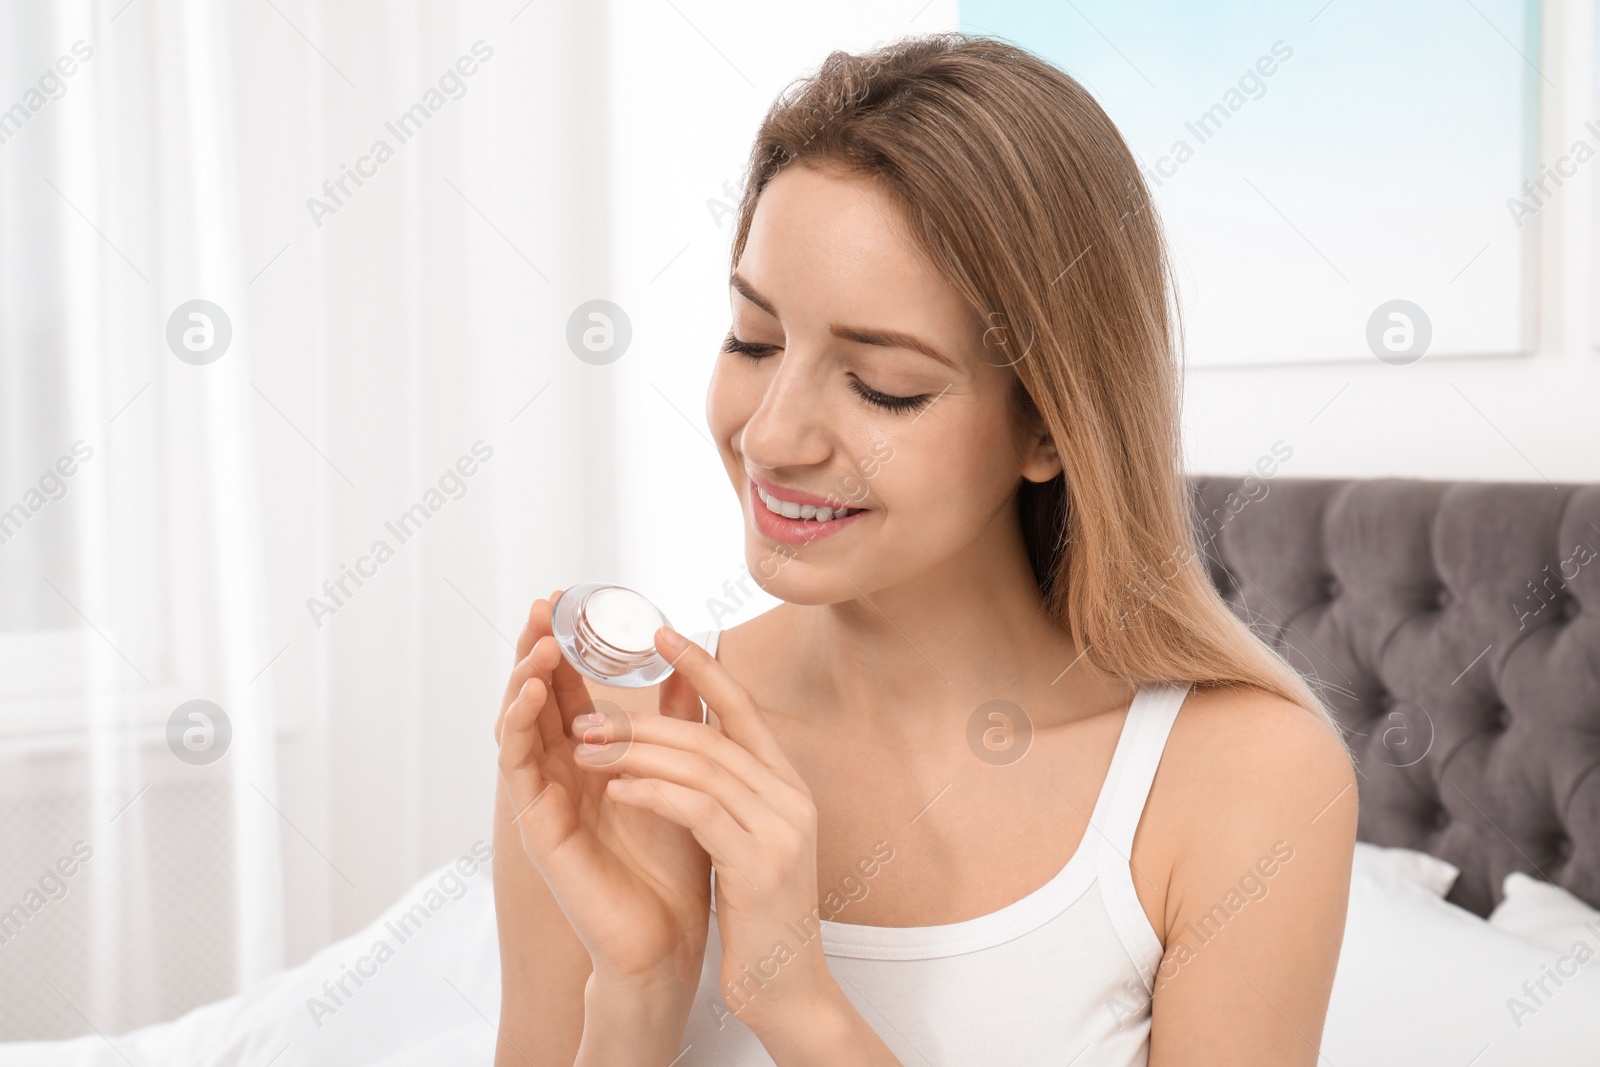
(944, 809)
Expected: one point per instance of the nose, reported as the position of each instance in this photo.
(789, 427)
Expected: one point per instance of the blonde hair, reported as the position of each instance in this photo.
(1026, 199)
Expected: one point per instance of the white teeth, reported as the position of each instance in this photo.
(806, 512)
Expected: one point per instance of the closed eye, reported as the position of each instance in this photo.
(747, 348)
(885, 401)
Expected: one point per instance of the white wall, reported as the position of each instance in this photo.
(1520, 418)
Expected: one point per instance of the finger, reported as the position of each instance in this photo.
(539, 661)
(546, 656)
(692, 770)
(520, 674)
(739, 717)
(538, 624)
(679, 701)
(731, 848)
(572, 693)
(572, 699)
(521, 746)
(705, 743)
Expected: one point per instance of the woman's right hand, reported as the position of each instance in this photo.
(634, 886)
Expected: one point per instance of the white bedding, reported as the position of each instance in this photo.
(435, 1000)
(1420, 983)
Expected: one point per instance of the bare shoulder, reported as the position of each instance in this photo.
(1237, 748)
(755, 646)
(1245, 773)
(1255, 800)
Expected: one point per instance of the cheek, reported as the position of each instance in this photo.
(955, 477)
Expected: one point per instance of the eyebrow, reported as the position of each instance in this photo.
(859, 334)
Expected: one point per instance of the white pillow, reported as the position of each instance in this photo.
(1430, 872)
(1545, 914)
(1423, 983)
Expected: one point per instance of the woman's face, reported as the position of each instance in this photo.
(863, 390)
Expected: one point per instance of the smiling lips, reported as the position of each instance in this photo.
(794, 517)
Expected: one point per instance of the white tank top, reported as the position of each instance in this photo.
(1063, 976)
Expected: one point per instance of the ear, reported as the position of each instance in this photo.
(1040, 461)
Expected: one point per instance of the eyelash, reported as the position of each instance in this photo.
(898, 404)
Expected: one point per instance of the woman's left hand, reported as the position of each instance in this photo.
(741, 798)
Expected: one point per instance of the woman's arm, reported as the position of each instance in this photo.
(833, 1034)
(543, 965)
(1256, 901)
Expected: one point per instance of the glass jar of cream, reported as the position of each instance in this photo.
(608, 633)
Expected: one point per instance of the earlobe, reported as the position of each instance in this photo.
(1042, 462)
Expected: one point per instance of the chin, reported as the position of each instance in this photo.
(787, 577)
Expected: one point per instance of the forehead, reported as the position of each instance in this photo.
(835, 248)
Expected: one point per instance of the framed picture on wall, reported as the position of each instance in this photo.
(1337, 180)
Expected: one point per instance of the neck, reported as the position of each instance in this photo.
(928, 651)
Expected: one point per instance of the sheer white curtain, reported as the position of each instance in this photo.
(207, 542)
(137, 584)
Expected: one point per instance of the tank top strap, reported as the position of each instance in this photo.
(1133, 764)
(706, 639)
(1116, 817)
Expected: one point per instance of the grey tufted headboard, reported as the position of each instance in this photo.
(1454, 628)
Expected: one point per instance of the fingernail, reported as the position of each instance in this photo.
(594, 736)
(672, 639)
(588, 719)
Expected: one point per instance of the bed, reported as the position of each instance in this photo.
(1455, 629)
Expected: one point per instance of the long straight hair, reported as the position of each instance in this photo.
(1024, 196)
